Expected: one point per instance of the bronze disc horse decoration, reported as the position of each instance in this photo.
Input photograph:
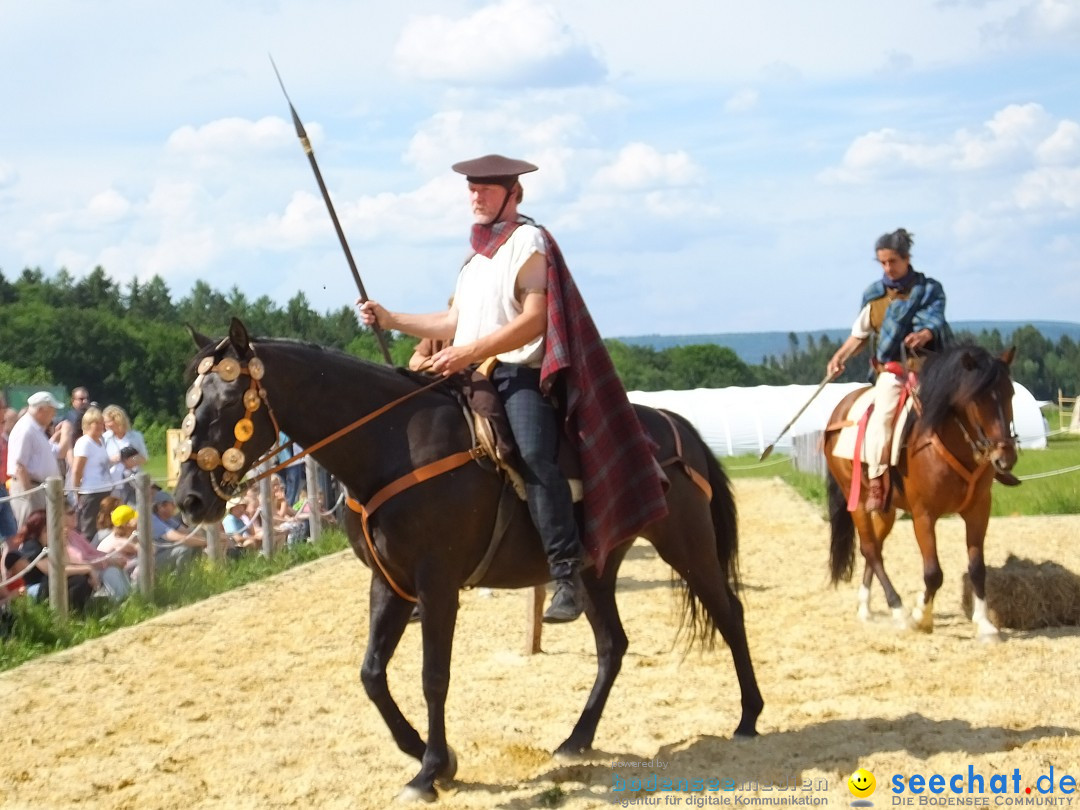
(962, 437)
(428, 539)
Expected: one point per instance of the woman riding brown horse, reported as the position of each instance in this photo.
(960, 439)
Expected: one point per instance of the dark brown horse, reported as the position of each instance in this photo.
(961, 438)
(429, 539)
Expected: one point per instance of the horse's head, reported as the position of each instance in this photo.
(228, 427)
(975, 387)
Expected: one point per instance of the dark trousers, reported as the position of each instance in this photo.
(294, 480)
(535, 426)
(87, 512)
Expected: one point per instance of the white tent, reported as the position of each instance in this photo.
(736, 421)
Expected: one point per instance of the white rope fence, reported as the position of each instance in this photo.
(1049, 473)
(23, 494)
(16, 577)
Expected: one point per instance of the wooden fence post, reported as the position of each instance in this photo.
(266, 507)
(57, 542)
(144, 503)
(534, 618)
(215, 544)
(311, 470)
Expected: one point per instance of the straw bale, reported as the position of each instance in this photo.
(1026, 595)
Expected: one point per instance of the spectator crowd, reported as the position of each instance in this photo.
(97, 453)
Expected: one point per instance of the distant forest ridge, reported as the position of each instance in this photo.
(753, 347)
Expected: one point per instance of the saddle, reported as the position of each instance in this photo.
(491, 429)
(849, 444)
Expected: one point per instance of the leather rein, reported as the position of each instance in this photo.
(981, 446)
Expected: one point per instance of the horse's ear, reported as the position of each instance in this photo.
(967, 361)
(1008, 355)
(238, 336)
(201, 340)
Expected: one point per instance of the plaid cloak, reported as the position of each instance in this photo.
(622, 479)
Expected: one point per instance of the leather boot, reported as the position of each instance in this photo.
(875, 496)
(568, 602)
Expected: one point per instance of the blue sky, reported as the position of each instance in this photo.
(706, 167)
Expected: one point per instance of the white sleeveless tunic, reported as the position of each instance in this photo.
(485, 300)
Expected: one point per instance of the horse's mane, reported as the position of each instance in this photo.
(956, 375)
(325, 355)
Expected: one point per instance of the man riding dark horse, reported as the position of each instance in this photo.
(516, 302)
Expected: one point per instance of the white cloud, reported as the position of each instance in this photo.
(8, 175)
(514, 42)
(108, 206)
(1049, 188)
(641, 167)
(742, 101)
(883, 152)
(233, 136)
(1062, 147)
(1042, 21)
(435, 211)
(519, 129)
(1013, 132)
(1010, 138)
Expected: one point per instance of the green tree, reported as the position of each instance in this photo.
(96, 291)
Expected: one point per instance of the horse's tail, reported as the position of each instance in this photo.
(842, 547)
(696, 621)
(725, 519)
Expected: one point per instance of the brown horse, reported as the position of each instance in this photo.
(428, 541)
(953, 449)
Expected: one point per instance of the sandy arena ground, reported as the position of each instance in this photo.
(252, 699)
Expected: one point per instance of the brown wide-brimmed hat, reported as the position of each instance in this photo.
(493, 170)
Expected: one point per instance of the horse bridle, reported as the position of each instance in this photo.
(232, 460)
(982, 446)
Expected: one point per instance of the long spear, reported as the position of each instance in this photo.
(302, 135)
(828, 377)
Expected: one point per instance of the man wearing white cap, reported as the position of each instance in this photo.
(31, 455)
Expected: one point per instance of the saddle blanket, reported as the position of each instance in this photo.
(845, 442)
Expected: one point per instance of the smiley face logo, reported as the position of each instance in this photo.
(861, 783)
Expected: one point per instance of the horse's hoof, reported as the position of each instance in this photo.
(744, 736)
(990, 638)
(570, 752)
(414, 795)
(446, 776)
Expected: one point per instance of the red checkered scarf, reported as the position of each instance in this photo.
(623, 482)
(486, 239)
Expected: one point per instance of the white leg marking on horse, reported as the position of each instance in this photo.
(864, 603)
(901, 619)
(411, 795)
(984, 628)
